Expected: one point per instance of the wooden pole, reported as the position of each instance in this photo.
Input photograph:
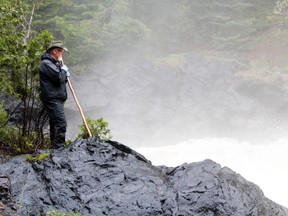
(77, 103)
(79, 107)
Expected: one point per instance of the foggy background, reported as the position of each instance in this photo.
(216, 88)
(147, 103)
(220, 72)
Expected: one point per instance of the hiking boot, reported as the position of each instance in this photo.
(57, 146)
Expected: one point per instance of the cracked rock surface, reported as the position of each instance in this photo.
(96, 177)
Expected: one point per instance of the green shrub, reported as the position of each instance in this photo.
(98, 127)
(38, 157)
(3, 115)
(13, 140)
(54, 213)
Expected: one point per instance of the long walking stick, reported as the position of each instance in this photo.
(78, 105)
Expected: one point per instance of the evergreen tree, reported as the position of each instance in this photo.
(19, 61)
(89, 27)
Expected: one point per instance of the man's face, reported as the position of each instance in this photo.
(58, 53)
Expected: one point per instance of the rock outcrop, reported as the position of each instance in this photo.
(96, 177)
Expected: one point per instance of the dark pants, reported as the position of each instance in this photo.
(57, 121)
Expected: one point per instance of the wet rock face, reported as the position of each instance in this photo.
(6, 202)
(101, 178)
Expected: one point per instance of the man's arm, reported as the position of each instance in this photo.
(53, 72)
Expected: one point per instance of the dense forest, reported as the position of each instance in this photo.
(95, 29)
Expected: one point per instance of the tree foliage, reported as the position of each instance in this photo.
(183, 25)
(19, 61)
(281, 7)
(11, 41)
(89, 27)
(281, 12)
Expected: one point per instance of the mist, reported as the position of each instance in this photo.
(216, 88)
(147, 103)
(217, 73)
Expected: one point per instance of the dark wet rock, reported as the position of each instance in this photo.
(100, 178)
(7, 205)
(12, 106)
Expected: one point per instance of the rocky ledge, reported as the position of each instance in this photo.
(96, 177)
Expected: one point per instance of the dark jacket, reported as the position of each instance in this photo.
(52, 79)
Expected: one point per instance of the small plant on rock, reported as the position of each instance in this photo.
(55, 213)
(98, 127)
(38, 157)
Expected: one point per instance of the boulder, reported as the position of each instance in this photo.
(96, 177)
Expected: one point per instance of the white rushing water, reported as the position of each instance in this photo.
(264, 165)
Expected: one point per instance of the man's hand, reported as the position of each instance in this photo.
(64, 67)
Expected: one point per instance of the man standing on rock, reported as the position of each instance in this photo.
(53, 78)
